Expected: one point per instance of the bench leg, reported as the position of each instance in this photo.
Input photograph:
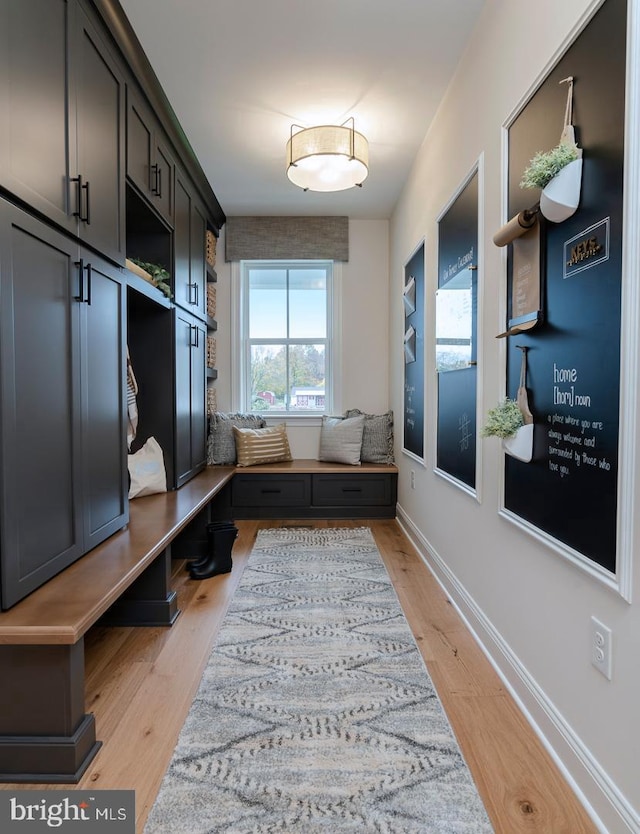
(45, 735)
(149, 601)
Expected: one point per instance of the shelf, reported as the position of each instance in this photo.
(212, 373)
(212, 275)
(212, 324)
(143, 287)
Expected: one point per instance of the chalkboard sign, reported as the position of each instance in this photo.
(413, 301)
(569, 490)
(456, 330)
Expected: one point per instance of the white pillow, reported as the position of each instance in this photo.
(341, 439)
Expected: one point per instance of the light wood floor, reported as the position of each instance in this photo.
(140, 683)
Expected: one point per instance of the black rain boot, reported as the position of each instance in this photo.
(220, 560)
(200, 561)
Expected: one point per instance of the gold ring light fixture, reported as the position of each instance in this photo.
(327, 157)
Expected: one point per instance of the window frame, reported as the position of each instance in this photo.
(241, 394)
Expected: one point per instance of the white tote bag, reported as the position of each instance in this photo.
(146, 470)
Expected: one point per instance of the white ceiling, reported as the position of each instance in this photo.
(239, 73)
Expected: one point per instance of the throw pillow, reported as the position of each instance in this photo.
(377, 437)
(341, 439)
(267, 445)
(221, 445)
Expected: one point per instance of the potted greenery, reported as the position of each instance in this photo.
(507, 422)
(155, 274)
(558, 173)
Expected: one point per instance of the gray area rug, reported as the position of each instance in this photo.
(315, 712)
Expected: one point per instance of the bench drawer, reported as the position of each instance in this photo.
(371, 490)
(270, 491)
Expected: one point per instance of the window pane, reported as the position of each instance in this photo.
(267, 304)
(268, 377)
(307, 377)
(307, 304)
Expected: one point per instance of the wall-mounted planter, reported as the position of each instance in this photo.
(560, 197)
(520, 444)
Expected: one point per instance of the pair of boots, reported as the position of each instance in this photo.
(220, 538)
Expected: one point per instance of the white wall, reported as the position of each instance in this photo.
(529, 606)
(363, 358)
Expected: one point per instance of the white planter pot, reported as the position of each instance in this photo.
(520, 444)
(560, 197)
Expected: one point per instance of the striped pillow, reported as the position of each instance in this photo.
(268, 445)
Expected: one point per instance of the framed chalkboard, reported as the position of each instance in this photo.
(569, 491)
(456, 335)
(413, 347)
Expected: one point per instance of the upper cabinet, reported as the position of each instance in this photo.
(149, 162)
(190, 283)
(58, 80)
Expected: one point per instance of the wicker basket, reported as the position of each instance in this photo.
(211, 300)
(211, 352)
(212, 400)
(211, 248)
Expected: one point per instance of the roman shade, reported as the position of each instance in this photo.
(287, 238)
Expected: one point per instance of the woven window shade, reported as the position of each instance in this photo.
(287, 238)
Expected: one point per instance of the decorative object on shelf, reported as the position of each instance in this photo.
(153, 273)
(211, 352)
(212, 242)
(512, 420)
(211, 300)
(327, 157)
(558, 172)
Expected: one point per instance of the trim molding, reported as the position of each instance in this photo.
(591, 784)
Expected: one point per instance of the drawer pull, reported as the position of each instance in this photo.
(271, 491)
(352, 489)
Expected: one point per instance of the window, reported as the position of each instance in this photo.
(286, 336)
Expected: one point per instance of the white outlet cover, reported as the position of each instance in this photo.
(601, 647)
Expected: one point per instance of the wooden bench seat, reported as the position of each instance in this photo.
(45, 734)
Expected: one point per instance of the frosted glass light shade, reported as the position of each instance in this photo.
(327, 158)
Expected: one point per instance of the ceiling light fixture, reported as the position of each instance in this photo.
(328, 157)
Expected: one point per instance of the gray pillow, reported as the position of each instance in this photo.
(377, 437)
(341, 439)
(221, 445)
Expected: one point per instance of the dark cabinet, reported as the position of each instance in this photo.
(62, 131)
(149, 163)
(190, 339)
(62, 482)
(190, 283)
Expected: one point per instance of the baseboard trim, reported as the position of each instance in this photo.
(605, 804)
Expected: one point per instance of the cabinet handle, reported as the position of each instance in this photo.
(159, 182)
(154, 187)
(80, 296)
(87, 217)
(352, 489)
(195, 286)
(78, 212)
(195, 338)
(89, 276)
(270, 491)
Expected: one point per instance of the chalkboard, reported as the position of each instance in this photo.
(569, 490)
(457, 268)
(414, 354)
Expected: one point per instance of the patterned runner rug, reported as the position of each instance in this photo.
(315, 712)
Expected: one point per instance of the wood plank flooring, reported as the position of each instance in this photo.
(140, 683)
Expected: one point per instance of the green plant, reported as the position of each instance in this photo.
(546, 164)
(504, 420)
(159, 275)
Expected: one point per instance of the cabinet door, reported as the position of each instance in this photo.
(190, 284)
(41, 530)
(105, 508)
(100, 128)
(163, 185)
(36, 155)
(190, 425)
(139, 144)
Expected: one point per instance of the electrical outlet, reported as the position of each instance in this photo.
(601, 647)
(412, 478)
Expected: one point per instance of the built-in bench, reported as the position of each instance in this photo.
(45, 734)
